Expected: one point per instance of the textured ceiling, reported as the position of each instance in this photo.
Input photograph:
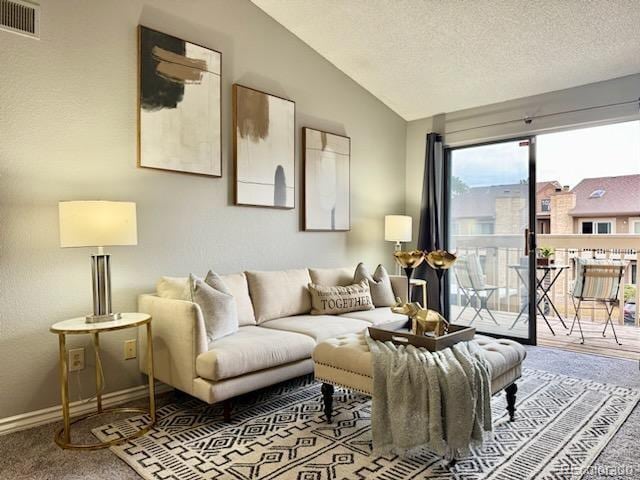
(423, 57)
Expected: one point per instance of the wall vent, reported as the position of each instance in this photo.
(20, 16)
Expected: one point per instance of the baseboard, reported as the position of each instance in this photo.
(53, 414)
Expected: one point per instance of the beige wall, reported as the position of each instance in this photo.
(601, 93)
(68, 131)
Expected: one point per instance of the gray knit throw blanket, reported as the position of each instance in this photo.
(437, 400)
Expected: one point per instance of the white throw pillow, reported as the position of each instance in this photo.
(379, 283)
(218, 306)
(176, 288)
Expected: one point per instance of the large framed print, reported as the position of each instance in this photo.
(179, 114)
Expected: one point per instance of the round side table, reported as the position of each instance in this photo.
(78, 326)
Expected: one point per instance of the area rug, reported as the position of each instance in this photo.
(561, 425)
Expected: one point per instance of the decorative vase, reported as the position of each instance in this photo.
(440, 261)
(409, 261)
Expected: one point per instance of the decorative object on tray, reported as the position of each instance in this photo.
(544, 256)
(263, 149)
(179, 114)
(397, 228)
(327, 195)
(409, 261)
(440, 261)
(423, 320)
(98, 224)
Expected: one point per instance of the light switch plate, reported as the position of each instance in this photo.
(130, 350)
(76, 359)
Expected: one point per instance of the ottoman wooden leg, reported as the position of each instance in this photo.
(327, 396)
(228, 407)
(511, 391)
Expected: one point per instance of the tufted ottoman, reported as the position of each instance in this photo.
(346, 361)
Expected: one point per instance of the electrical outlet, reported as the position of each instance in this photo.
(76, 359)
(130, 349)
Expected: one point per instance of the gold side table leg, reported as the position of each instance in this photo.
(152, 394)
(64, 388)
(96, 347)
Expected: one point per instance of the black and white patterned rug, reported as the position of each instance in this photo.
(562, 424)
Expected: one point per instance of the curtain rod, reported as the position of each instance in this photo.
(528, 119)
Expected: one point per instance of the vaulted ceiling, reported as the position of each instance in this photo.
(423, 57)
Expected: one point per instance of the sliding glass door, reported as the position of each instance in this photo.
(490, 224)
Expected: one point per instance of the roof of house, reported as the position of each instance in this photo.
(542, 185)
(607, 196)
(480, 202)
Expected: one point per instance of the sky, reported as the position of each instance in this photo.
(567, 157)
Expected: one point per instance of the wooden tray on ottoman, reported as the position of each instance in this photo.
(400, 334)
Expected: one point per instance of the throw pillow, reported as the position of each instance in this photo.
(379, 283)
(218, 306)
(176, 288)
(335, 300)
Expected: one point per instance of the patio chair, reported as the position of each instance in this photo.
(597, 281)
(471, 283)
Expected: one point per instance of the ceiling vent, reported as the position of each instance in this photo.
(19, 16)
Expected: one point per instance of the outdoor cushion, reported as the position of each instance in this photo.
(378, 316)
(318, 327)
(279, 294)
(251, 349)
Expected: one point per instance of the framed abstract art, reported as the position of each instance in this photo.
(263, 149)
(179, 115)
(327, 190)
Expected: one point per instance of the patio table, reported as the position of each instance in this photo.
(552, 272)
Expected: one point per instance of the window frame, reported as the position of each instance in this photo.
(595, 221)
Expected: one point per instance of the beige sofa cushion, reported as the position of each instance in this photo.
(331, 277)
(319, 327)
(175, 288)
(251, 349)
(237, 283)
(378, 316)
(279, 294)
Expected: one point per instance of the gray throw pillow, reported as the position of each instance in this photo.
(379, 284)
(217, 304)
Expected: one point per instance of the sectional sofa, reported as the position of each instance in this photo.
(274, 342)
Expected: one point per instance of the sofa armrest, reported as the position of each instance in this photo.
(399, 285)
(178, 338)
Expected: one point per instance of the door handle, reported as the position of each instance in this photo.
(529, 242)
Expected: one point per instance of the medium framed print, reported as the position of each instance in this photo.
(264, 149)
(327, 188)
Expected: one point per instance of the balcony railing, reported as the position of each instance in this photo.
(500, 253)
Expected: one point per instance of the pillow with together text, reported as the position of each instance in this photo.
(336, 300)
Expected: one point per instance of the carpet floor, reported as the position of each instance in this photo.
(31, 454)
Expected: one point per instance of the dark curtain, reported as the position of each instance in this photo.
(430, 233)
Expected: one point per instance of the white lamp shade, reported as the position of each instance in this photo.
(97, 223)
(397, 228)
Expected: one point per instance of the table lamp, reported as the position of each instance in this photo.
(397, 228)
(98, 224)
